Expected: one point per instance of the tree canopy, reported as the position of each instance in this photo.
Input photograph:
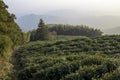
(10, 37)
(41, 33)
(8, 27)
(74, 30)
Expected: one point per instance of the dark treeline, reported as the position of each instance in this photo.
(48, 31)
(78, 30)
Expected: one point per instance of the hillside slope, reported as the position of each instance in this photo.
(10, 38)
(78, 59)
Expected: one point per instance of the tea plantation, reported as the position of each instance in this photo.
(77, 59)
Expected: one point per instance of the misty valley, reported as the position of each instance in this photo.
(58, 46)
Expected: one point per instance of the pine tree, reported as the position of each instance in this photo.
(42, 32)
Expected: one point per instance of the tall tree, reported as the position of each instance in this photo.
(42, 32)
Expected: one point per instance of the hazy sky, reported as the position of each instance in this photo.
(22, 7)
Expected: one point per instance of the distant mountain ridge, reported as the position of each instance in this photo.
(115, 30)
(30, 21)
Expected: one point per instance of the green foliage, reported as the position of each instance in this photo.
(8, 27)
(5, 46)
(26, 37)
(32, 35)
(78, 59)
(11, 37)
(79, 30)
(112, 75)
(41, 33)
(46, 32)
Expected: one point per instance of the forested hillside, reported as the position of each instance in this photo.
(78, 59)
(65, 30)
(56, 51)
(10, 37)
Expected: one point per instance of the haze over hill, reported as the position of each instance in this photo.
(101, 14)
(115, 30)
(103, 22)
